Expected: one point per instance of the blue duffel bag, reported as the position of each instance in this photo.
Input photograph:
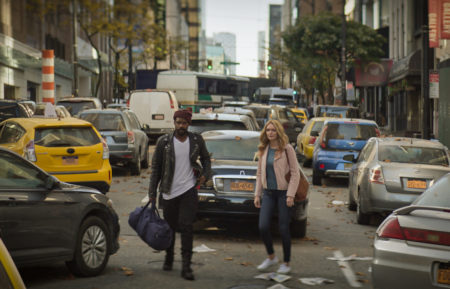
(152, 229)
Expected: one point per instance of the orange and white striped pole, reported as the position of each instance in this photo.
(48, 76)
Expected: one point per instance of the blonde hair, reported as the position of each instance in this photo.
(283, 139)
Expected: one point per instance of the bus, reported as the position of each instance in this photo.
(201, 90)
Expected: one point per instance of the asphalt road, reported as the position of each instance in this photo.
(332, 231)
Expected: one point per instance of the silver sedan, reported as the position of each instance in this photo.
(390, 173)
(412, 245)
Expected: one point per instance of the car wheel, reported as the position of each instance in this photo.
(307, 163)
(145, 163)
(136, 166)
(91, 249)
(351, 202)
(298, 228)
(361, 218)
(317, 178)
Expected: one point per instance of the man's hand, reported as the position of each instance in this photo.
(201, 180)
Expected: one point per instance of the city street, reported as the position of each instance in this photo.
(332, 232)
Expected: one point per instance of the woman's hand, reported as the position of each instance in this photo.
(289, 201)
(257, 202)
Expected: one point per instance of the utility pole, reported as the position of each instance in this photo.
(425, 79)
(75, 47)
(343, 56)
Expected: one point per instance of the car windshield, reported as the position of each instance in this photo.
(350, 131)
(105, 121)
(202, 125)
(412, 155)
(437, 195)
(8, 111)
(65, 136)
(75, 107)
(233, 149)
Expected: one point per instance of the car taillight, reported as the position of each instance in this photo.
(377, 131)
(312, 140)
(392, 229)
(30, 152)
(376, 176)
(105, 149)
(130, 136)
(171, 103)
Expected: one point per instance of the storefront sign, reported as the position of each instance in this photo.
(434, 84)
(434, 23)
(445, 19)
(372, 73)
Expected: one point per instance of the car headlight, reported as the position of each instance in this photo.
(219, 185)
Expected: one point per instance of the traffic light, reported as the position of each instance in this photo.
(209, 66)
(269, 65)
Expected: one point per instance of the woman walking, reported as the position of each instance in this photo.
(273, 192)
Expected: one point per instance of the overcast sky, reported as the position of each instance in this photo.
(244, 18)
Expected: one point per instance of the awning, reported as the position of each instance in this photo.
(408, 66)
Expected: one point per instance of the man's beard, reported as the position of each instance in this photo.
(181, 132)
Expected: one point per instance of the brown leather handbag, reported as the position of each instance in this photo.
(303, 184)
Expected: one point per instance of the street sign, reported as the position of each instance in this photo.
(434, 84)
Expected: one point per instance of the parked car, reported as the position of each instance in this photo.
(230, 193)
(412, 245)
(307, 138)
(75, 105)
(285, 116)
(239, 110)
(126, 138)
(117, 106)
(11, 278)
(154, 108)
(43, 219)
(340, 137)
(337, 111)
(220, 121)
(301, 113)
(11, 108)
(390, 173)
(70, 149)
(234, 103)
(60, 110)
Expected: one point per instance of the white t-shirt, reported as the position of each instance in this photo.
(183, 176)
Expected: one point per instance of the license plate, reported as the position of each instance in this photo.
(70, 160)
(158, 116)
(416, 184)
(242, 186)
(443, 276)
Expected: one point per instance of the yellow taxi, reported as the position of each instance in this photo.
(70, 149)
(9, 275)
(307, 138)
(301, 114)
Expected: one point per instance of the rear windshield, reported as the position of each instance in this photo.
(412, 155)
(200, 126)
(339, 112)
(105, 121)
(317, 126)
(66, 136)
(350, 131)
(75, 107)
(10, 110)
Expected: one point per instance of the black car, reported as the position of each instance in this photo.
(12, 108)
(230, 193)
(44, 220)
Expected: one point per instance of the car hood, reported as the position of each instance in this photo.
(234, 167)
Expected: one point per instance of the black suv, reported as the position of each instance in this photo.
(12, 108)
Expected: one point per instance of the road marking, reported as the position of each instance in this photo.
(347, 270)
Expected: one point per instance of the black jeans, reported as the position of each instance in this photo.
(180, 214)
(272, 200)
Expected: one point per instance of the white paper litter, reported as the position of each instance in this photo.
(316, 281)
(273, 276)
(278, 286)
(352, 257)
(338, 203)
(202, 249)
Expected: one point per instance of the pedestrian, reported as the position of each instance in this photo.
(177, 174)
(273, 192)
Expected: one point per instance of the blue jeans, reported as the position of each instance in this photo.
(271, 200)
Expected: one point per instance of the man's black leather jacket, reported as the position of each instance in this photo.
(163, 162)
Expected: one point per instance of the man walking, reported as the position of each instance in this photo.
(177, 173)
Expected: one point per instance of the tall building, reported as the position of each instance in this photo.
(192, 12)
(274, 36)
(228, 41)
(262, 54)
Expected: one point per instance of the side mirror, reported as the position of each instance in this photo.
(315, 133)
(51, 183)
(349, 158)
(145, 127)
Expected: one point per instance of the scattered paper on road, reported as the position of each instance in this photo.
(202, 249)
(264, 276)
(316, 281)
(338, 203)
(273, 276)
(352, 257)
(278, 286)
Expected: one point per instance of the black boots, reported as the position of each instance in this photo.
(187, 273)
(168, 262)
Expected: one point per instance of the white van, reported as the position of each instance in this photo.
(268, 94)
(155, 108)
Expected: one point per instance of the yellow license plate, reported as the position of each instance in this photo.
(414, 184)
(70, 160)
(242, 186)
(443, 276)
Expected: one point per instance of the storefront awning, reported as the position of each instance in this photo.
(408, 66)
